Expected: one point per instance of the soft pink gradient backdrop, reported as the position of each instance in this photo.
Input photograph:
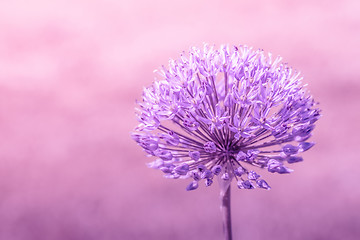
(70, 72)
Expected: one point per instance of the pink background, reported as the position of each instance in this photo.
(70, 73)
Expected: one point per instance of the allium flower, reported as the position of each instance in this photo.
(225, 113)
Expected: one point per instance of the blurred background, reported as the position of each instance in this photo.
(70, 72)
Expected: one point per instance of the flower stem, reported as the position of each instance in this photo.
(226, 211)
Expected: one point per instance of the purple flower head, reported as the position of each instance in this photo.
(222, 112)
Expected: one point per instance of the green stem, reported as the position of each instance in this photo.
(226, 210)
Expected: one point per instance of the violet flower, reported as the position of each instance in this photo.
(225, 112)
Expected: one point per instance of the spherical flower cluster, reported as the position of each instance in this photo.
(220, 112)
